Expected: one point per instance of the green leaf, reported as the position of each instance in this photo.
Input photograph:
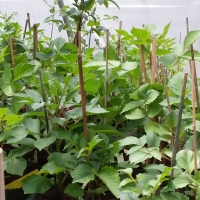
(97, 110)
(131, 105)
(168, 60)
(191, 37)
(5, 82)
(35, 95)
(3, 111)
(129, 141)
(23, 70)
(154, 108)
(135, 114)
(82, 174)
(15, 166)
(178, 50)
(65, 159)
(139, 156)
(74, 190)
(52, 168)
(33, 125)
(36, 184)
(59, 42)
(171, 119)
(110, 177)
(44, 142)
(104, 128)
(175, 83)
(185, 160)
(140, 34)
(128, 66)
(153, 139)
(181, 181)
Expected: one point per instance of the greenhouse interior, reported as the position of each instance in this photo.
(100, 100)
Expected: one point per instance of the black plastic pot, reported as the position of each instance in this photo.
(16, 194)
(35, 197)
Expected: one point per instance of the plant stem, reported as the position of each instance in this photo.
(12, 53)
(142, 63)
(82, 91)
(178, 127)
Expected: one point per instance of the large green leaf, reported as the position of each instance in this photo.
(3, 111)
(176, 83)
(154, 108)
(36, 184)
(171, 119)
(140, 34)
(44, 142)
(139, 156)
(15, 166)
(33, 125)
(23, 70)
(65, 159)
(74, 190)
(104, 128)
(128, 66)
(52, 168)
(135, 114)
(191, 37)
(82, 174)
(168, 59)
(6, 82)
(110, 177)
(131, 105)
(59, 42)
(153, 139)
(185, 160)
(181, 181)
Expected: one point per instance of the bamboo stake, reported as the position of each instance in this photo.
(2, 184)
(28, 21)
(35, 50)
(178, 127)
(119, 40)
(180, 38)
(82, 91)
(25, 28)
(194, 115)
(157, 74)
(165, 87)
(12, 53)
(124, 52)
(153, 60)
(142, 63)
(192, 58)
(106, 73)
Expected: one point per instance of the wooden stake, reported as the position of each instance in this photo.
(165, 87)
(106, 72)
(157, 74)
(142, 63)
(124, 52)
(192, 58)
(82, 91)
(119, 40)
(194, 115)
(178, 127)
(12, 53)
(28, 21)
(25, 28)
(180, 38)
(153, 61)
(2, 184)
(35, 41)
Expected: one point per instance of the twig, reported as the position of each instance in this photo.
(178, 127)
(2, 184)
(142, 63)
(165, 87)
(12, 53)
(194, 115)
(82, 91)
(119, 40)
(153, 60)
